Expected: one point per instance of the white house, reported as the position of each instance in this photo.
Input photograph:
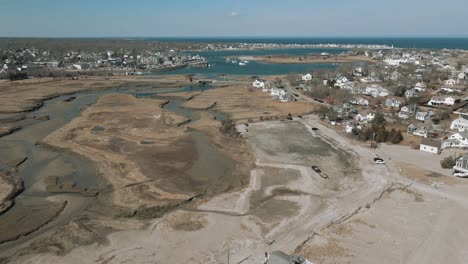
(359, 101)
(376, 91)
(436, 101)
(341, 81)
(461, 76)
(307, 77)
(258, 84)
(431, 145)
(420, 87)
(370, 117)
(460, 139)
(424, 116)
(461, 123)
(447, 101)
(447, 90)
(450, 82)
(358, 71)
(461, 166)
(451, 100)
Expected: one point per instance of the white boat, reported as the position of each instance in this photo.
(242, 64)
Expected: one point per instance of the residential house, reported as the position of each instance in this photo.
(419, 131)
(425, 116)
(411, 93)
(258, 84)
(307, 77)
(450, 82)
(411, 128)
(359, 101)
(436, 101)
(376, 91)
(358, 72)
(461, 165)
(451, 100)
(395, 75)
(393, 101)
(451, 143)
(447, 90)
(364, 118)
(341, 81)
(430, 145)
(461, 123)
(420, 87)
(461, 138)
(461, 77)
(447, 101)
(405, 113)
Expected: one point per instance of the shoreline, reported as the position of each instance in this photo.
(307, 59)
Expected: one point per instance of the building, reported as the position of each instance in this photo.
(461, 139)
(461, 166)
(450, 82)
(447, 101)
(431, 145)
(461, 123)
(411, 93)
(420, 87)
(405, 113)
(307, 77)
(360, 101)
(376, 91)
(418, 131)
(425, 116)
(341, 81)
(393, 101)
(259, 84)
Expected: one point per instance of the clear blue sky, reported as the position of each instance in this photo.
(158, 18)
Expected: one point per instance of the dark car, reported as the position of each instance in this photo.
(316, 169)
(315, 129)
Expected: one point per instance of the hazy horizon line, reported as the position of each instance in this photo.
(239, 37)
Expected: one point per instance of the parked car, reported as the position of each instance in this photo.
(379, 161)
(316, 169)
(315, 129)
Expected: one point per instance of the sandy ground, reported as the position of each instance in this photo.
(242, 103)
(287, 59)
(284, 204)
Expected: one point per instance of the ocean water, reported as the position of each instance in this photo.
(399, 42)
(220, 66)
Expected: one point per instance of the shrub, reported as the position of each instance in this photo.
(448, 162)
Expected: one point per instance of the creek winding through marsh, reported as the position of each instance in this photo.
(43, 161)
